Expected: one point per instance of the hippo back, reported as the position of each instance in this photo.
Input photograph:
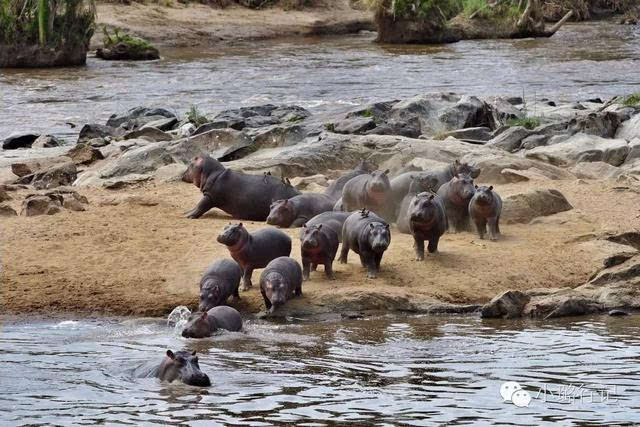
(226, 317)
(333, 220)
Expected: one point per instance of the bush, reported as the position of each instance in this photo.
(194, 116)
(526, 122)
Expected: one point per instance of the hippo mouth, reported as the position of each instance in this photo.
(272, 221)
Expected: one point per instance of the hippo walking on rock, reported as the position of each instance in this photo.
(220, 281)
(425, 219)
(334, 190)
(240, 195)
(294, 212)
(254, 250)
(333, 220)
(319, 245)
(179, 366)
(280, 281)
(204, 324)
(367, 235)
(455, 196)
(372, 192)
(485, 208)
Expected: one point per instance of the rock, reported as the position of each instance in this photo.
(468, 112)
(603, 124)
(19, 141)
(623, 272)
(263, 115)
(218, 143)
(97, 142)
(164, 124)
(355, 125)
(117, 120)
(280, 135)
(473, 133)
(170, 173)
(51, 177)
(634, 150)
(128, 52)
(4, 196)
(149, 133)
(617, 313)
(6, 210)
(630, 129)
(138, 160)
(595, 170)
(410, 128)
(47, 141)
(582, 148)
(186, 130)
(21, 169)
(84, 154)
(93, 130)
(504, 109)
(524, 207)
(129, 199)
(575, 307)
(533, 141)
(125, 181)
(304, 182)
(41, 205)
(510, 140)
(512, 175)
(507, 305)
(219, 124)
(493, 162)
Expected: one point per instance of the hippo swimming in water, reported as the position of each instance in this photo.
(201, 325)
(179, 366)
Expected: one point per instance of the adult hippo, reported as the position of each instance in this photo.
(241, 195)
(334, 190)
(446, 173)
(179, 366)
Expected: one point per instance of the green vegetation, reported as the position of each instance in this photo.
(526, 122)
(445, 9)
(631, 100)
(135, 44)
(52, 23)
(331, 127)
(194, 116)
(367, 113)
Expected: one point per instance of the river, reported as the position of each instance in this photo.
(582, 61)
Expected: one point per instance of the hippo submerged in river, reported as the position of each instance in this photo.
(220, 281)
(179, 366)
(296, 211)
(241, 195)
(202, 325)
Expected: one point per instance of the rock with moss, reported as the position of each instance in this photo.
(123, 47)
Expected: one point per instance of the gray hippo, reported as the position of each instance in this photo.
(280, 281)
(254, 250)
(179, 366)
(240, 195)
(367, 235)
(371, 191)
(334, 190)
(220, 281)
(411, 183)
(297, 210)
(424, 219)
(333, 220)
(319, 245)
(455, 196)
(446, 173)
(202, 325)
(485, 208)
(338, 207)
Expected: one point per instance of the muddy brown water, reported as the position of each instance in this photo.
(323, 74)
(387, 370)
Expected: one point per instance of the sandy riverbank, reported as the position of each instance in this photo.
(124, 257)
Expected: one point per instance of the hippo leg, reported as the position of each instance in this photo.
(418, 245)
(328, 269)
(305, 268)
(314, 266)
(369, 263)
(236, 294)
(378, 259)
(481, 226)
(493, 228)
(344, 251)
(267, 303)
(498, 224)
(433, 244)
(201, 208)
(454, 220)
(246, 279)
(298, 291)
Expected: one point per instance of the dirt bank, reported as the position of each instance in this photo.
(195, 24)
(125, 257)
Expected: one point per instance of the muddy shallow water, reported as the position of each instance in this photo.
(392, 369)
(581, 61)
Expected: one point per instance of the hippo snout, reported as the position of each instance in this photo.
(271, 220)
(199, 379)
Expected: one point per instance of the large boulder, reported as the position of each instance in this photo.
(603, 124)
(164, 124)
(510, 140)
(507, 305)
(582, 148)
(6, 210)
(129, 119)
(630, 129)
(94, 130)
(47, 141)
(84, 154)
(148, 133)
(123, 51)
(51, 177)
(524, 207)
(41, 205)
(19, 141)
(634, 150)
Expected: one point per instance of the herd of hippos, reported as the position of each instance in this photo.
(355, 210)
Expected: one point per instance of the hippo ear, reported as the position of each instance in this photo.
(239, 224)
(193, 353)
(386, 225)
(490, 187)
(170, 355)
(386, 172)
(319, 226)
(371, 225)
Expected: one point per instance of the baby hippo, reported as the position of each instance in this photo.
(254, 250)
(202, 325)
(319, 245)
(485, 208)
(401, 184)
(371, 191)
(280, 281)
(333, 220)
(182, 366)
(425, 220)
(367, 235)
(455, 196)
(297, 210)
(220, 281)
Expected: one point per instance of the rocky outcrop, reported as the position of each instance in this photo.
(19, 141)
(35, 56)
(507, 305)
(94, 130)
(51, 177)
(139, 116)
(582, 148)
(126, 52)
(524, 207)
(46, 141)
(630, 129)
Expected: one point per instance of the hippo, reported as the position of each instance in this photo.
(426, 220)
(182, 366)
(319, 245)
(297, 210)
(401, 184)
(220, 281)
(455, 196)
(338, 207)
(280, 281)
(485, 208)
(333, 220)
(240, 195)
(204, 324)
(447, 173)
(367, 235)
(334, 190)
(254, 250)
(371, 191)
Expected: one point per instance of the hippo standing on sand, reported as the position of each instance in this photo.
(485, 208)
(411, 183)
(254, 250)
(425, 219)
(240, 195)
(455, 196)
(204, 324)
(334, 190)
(318, 245)
(367, 235)
(333, 220)
(447, 173)
(181, 365)
(280, 281)
(220, 281)
(371, 191)
(294, 212)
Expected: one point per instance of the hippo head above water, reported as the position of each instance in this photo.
(379, 236)
(462, 186)
(423, 208)
(182, 366)
(484, 195)
(232, 234)
(310, 237)
(281, 213)
(198, 326)
(379, 182)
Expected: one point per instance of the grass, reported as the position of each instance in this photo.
(134, 43)
(367, 113)
(631, 100)
(526, 122)
(469, 7)
(194, 116)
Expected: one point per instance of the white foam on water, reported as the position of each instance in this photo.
(178, 317)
